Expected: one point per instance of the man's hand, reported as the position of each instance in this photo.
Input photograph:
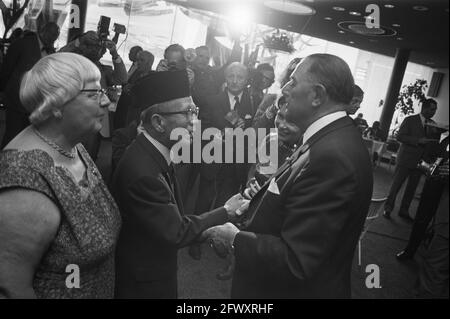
(221, 238)
(252, 188)
(240, 124)
(235, 206)
(111, 46)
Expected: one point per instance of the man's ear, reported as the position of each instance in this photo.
(158, 123)
(319, 95)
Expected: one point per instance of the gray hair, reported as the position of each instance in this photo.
(334, 74)
(53, 81)
(236, 65)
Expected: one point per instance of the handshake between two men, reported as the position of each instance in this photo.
(221, 237)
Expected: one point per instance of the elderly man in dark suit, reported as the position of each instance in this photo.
(22, 56)
(414, 134)
(228, 109)
(145, 187)
(232, 108)
(304, 224)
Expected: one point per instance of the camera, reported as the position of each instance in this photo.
(429, 169)
(103, 30)
(119, 28)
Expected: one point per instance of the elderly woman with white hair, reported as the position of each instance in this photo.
(59, 224)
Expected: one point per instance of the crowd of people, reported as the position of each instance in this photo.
(289, 228)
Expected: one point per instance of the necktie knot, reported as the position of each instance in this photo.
(236, 101)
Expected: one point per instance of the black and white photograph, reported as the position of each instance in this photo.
(225, 155)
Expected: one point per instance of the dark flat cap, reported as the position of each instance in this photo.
(158, 87)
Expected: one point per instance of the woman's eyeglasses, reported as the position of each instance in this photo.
(99, 93)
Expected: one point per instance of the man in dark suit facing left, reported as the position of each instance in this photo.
(21, 57)
(145, 187)
(415, 135)
(304, 223)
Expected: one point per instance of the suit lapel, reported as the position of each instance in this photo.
(258, 199)
(298, 159)
(226, 107)
(245, 106)
(161, 162)
(177, 191)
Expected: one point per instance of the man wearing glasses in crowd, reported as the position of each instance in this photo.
(149, 198)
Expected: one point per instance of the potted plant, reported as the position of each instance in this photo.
(409, 94)
(414, 92)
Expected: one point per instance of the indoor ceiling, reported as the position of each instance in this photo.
(421, 26)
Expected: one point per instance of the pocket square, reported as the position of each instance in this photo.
(273, 187)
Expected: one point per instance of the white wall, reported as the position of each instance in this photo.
(442, 99)
(373, 73)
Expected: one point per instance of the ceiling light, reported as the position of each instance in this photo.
(341, 32)
(291, 7)
(389, 6)
(328, 18)
(396, 25)
(354, 13)
(338, 8)
(399, 38)
(359, 27)
(240, 18)
(351, 42)
(420, 8)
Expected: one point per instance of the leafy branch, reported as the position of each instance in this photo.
(411, 93)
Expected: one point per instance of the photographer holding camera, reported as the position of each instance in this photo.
(416, 135)
(175, 60)
(437, 179)
(93, 45)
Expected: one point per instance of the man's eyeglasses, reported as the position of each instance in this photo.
(192, 110)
